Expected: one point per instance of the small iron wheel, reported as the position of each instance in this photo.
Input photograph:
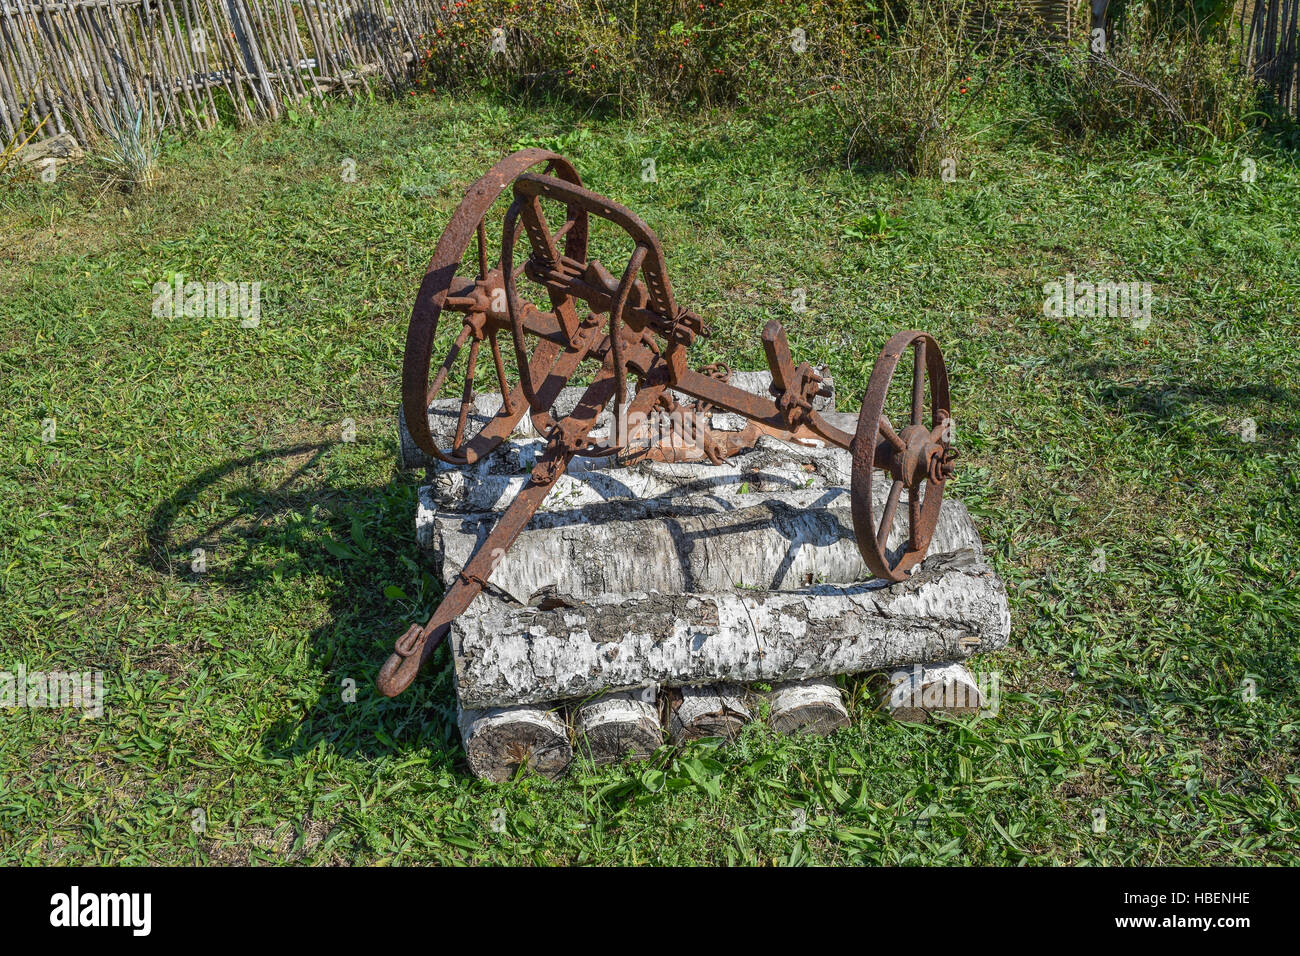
(917, 458)
(462, 278)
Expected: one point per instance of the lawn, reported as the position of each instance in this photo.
(1149, 546)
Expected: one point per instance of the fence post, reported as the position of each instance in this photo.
(253, 62)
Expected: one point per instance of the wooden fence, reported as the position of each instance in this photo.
(76, 64)
(1271, 31)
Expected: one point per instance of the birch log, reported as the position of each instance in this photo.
(500, 740)
(771, 546)
(614, 726)
(911, 694)
(433, 522)
(771, 466)
(504, 653)
(808, 707)
(709, 710)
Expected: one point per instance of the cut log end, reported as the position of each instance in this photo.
(711, 710)
(807, 707)
(618, 725)
(911, 694)
(500, 740)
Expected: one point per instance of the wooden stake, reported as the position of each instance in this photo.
(232, 76)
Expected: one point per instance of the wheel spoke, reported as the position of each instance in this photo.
(913, 517)
(449, 361)
(560, 233)
(891, 508)
(564, 230)
(501, 369)
(918, 382)
(539, 232)
(891, 436)
(466, 398)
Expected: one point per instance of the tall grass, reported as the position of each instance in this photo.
(1153, 82)
(900, 76)
(903, 101)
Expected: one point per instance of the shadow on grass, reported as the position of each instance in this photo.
(1168, 398)
(1240, 613)
(268, 540)
(1281, 131)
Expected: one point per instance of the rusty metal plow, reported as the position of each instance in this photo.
(632, 329)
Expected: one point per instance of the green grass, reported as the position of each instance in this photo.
(1121, 690)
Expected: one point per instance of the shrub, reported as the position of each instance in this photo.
(898, 74)
(1152, 82)
(1206, 18)
(902, 86)
(638, 54)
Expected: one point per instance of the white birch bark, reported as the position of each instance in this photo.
(618, 725)
(710, 710)
(499, 740)
(505, 653)
(807, 706)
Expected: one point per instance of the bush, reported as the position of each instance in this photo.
(1206, 18)
(898, 74)
(901, 88)
(1153, 83)
(637, 54)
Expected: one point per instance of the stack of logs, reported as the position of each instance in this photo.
(656, 595)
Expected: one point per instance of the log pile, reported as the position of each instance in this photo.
(649, 598)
